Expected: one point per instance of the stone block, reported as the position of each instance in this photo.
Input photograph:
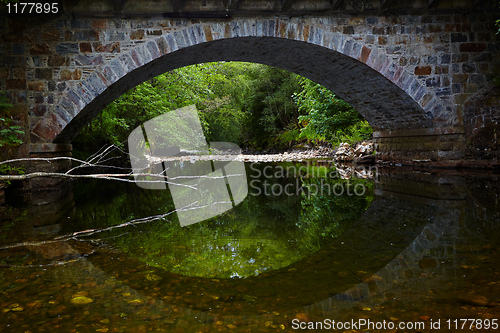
(208, 33)
(86, 35)
(57, 60)
(143, 54)
(75, 99)
(449, 155)
(67, 74)
(179, 39)
(85, 47)
(97, 82)
(127, 62)
(36, 86)
(49, 127)
(423, 70)
(472, 47)
(152, 47)
(109, 74)
(37, 49)
(154, 32)
(117, 67)
(85, 92)
(67, 48)
(89, 60)
(365, 53)
(43, 73)
(107, 48)
(99, 24)
(38, 110)
(15, 84)
(459, 78)
(459, 37)
(137, 34)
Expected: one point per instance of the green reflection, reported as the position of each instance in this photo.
(263, 233)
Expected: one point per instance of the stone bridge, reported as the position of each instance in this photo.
(409, 67)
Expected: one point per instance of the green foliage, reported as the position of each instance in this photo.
(252, 105)
(327, 117)
(269, 105)
(9, 134)
(330, 215)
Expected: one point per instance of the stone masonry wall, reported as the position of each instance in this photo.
(482, 117)
(52, 71)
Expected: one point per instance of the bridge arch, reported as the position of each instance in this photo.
(384, 92)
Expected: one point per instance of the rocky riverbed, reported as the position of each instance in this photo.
(344, 153)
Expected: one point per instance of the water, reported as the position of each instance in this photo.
(402, 248)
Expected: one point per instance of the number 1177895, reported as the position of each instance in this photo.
(32, 8)
(468, 324)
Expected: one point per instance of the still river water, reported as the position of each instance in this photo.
(386, 247)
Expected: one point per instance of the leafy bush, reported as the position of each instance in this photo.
(9, 134)
(324, 116)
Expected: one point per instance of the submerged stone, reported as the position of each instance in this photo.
(79, 300)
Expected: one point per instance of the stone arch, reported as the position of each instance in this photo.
(386, 94)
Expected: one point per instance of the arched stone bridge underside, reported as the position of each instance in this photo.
(409, 74)
(380, 101)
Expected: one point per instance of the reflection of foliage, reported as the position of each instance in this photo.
(260, 234)
(14, 217)
(239, 243)
(105, 204)
(330, 215)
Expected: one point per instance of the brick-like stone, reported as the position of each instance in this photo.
(472, 47)
(460, 78)
(38, 110)
(137, 34)
(40, 49)
(85, 92)
(423, 70)
(49, 127)
(43, 73)
(67, 48)
(15, 84)
(117, 67)
(67, 74)
(109, 74)
(365, 53)
(459, 37)
(36, 85)
(99, 24)
(152, 47)
(107, 48)
(86, 35)
(208, 33)
(85, 47)
(56, 60)
(89, 60)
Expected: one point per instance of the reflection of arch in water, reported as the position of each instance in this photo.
(388, 228)
(387, 214)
